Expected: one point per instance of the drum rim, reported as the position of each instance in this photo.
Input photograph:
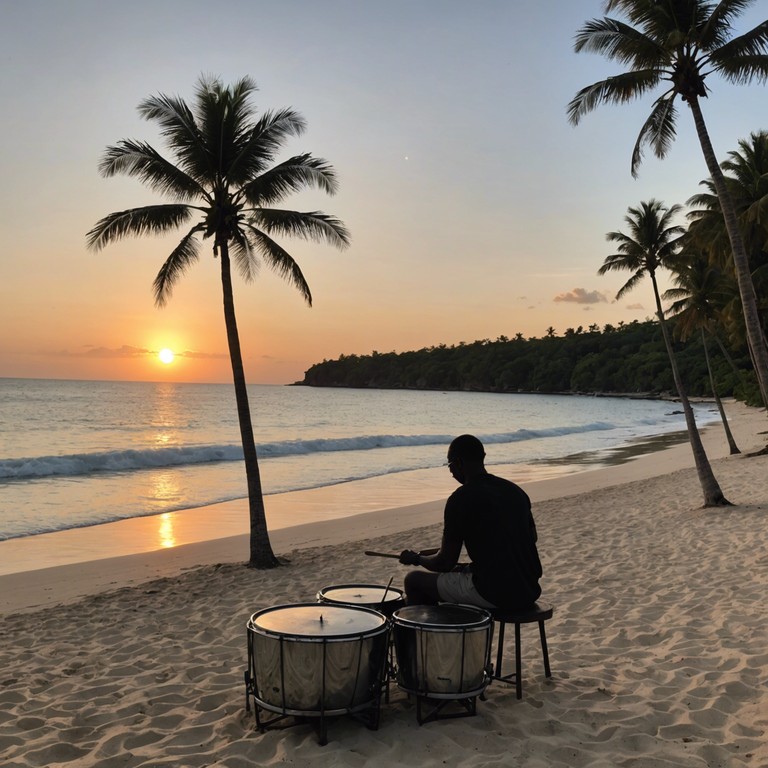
(483, 620)
(359, 635)
(397, 593)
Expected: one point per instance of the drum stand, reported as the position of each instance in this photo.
(369, 716)
(469, 704)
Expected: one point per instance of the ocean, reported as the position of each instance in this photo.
(81, 453)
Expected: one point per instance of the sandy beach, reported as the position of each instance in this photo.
(658, 645)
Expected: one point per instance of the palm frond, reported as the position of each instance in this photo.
(280, 261)
(742, 70)
(307, 225)
(262, 143)
(618, 89)
(181, 258)
(292, 175)
(751, 43)
(619, 42)
(178, 126)
(658, 131)
(244, 255)
(151, 219)
(714, 31)
(223, 116)
(137, 158)
(630, 284)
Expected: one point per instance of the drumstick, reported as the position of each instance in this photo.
(370, 553)
(384, 596)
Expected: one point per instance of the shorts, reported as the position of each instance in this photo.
(458, 587)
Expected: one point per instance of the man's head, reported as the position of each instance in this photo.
(465, 457)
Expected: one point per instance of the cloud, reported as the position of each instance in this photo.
(91, 351)
(581, 296)
(635, 306)
(127, 351)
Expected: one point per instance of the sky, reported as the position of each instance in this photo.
(475, 209)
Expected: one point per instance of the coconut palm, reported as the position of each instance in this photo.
(682, 42)
(695, 310)
(746, 174)
(223, 182)
(653, 244)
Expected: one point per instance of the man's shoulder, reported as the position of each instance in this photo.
(507, 486)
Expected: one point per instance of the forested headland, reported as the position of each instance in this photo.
(627, 359)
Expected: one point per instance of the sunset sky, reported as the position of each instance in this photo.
(475, 209)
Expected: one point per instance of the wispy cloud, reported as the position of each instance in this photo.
(635, 306)
(91, 351)
(581, 296)
(128, 351)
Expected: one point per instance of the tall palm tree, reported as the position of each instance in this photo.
(652, 244)
(682, 42)
(746, 174)
(223, 183)
(694, 307)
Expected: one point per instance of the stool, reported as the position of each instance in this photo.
(540, 612)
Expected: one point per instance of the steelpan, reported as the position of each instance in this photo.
(442, 650)
(317, 659)
(383, 599)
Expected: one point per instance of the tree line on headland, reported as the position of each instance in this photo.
(626, 359)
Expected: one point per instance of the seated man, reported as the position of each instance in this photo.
(492, 518)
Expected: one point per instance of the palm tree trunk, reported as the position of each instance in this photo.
(261, 555)
(728, 435)
(713, 496)
(740, 258)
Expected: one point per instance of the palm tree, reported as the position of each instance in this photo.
(652, 244)
(694, 307)
(223, 182)
(746, 174)
(682, 42)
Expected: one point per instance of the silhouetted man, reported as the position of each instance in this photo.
(491, 517)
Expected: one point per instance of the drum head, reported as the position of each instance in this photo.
(317, 620)
(360, 594)
(446, 615)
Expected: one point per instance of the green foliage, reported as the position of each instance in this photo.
(627, 360)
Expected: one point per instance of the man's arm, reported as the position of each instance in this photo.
(446, 558)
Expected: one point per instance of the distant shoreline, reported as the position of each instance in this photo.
(665, 396)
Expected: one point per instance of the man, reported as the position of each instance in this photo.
(492, 518)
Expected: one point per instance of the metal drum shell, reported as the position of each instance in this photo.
(442, 658)
(379, 598)
(306, 675)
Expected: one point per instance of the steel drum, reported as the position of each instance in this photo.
(442, 650)
(383, 599)
(316, 659)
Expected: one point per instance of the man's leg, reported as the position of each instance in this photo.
(421, 588)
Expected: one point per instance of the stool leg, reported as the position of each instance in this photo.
(518, 664)
(545, 653)
(499, 650)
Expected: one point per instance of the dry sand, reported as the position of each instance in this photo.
(658, 645)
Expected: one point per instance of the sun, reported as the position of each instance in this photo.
(166, 356)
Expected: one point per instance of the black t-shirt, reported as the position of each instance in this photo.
(492, 517)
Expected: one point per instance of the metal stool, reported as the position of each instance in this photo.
(540, 612)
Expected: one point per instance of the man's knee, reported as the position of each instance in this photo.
(421, 588)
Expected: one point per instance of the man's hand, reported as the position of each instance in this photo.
(408, 557)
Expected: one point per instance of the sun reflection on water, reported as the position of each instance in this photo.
(165, 488)
(165, 530)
